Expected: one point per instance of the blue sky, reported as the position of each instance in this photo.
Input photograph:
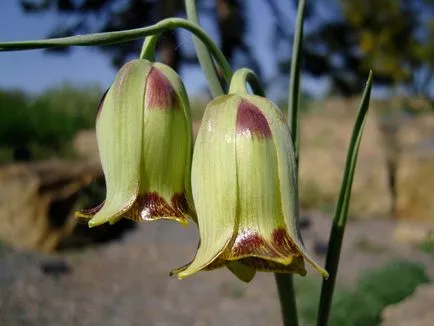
(35, 71)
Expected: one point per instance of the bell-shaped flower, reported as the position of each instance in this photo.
(244, 189)
(144, 137)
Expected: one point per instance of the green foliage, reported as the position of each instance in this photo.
(393, 282)
(348, 308)
(69, 109)
(355, 309)
(427, 245)
(389, 48)
(374, 291)
(45, 125)
(12, 124)
(394, 39)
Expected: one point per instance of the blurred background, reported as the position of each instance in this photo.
(55, 271)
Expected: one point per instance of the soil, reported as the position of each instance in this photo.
(126, 282)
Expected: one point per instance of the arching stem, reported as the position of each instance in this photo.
(109, 38)
(148, 48)
(239, 82)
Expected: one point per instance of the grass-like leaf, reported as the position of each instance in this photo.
(202, 52)
(341, 213)
(294, 79)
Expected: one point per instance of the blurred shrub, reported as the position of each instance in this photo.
(427, 244)
(374, 291)
(60, 113)
(43, 126)
(355, 309)
(12, 124)
(393, 282)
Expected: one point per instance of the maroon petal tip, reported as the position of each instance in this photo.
(249, 243)
(159, 92)
(251, 121)
(283, 243)
(151, 206)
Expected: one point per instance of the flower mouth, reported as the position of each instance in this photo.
(251, 249)
(151, 206)
(148, 207)
(277, 254)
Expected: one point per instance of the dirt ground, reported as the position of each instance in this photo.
(126, 282)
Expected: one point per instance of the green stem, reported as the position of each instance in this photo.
(288, 305)
(341, 213)
(203, 55)
(239, 80)
(148, 48)
(126, 36)
(294, 81)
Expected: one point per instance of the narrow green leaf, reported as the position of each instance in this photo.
(203, 55)
(341, 213)
(294, 79)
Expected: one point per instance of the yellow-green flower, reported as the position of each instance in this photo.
(144, 139)
(244, 189)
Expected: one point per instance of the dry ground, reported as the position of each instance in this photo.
(126, 282)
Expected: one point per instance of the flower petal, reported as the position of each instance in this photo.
(119, 132)
(241, 271)
(265, 265)
(259, 215)
(166, 149)
(214, 182)
(84, 215)
(179, 88)
(244, 272)
(286, 174)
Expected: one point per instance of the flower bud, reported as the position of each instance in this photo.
(144, 140)
(244, 189)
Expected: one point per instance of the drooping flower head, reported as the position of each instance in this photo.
(244, 189)
(144, 140)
